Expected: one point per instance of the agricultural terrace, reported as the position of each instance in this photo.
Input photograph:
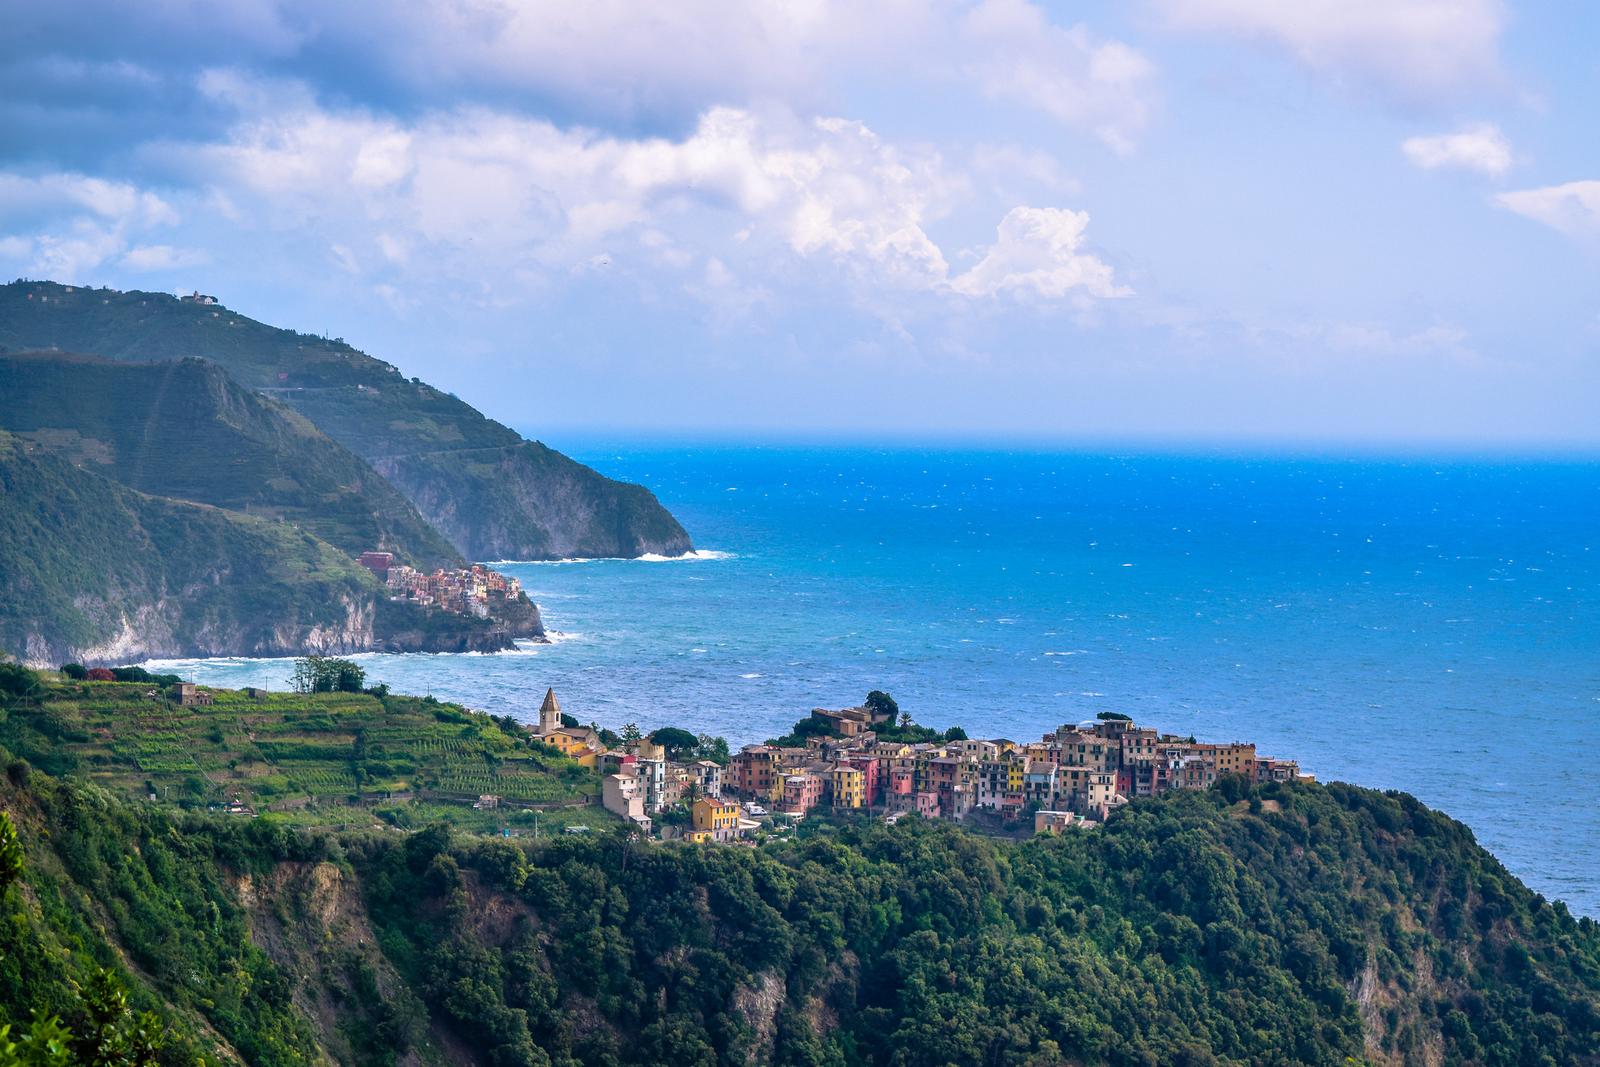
(286, 751)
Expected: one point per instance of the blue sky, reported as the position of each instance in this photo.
(1363, 221)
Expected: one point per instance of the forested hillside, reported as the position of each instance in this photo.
(184, 430)
(1285, 924)
(490, 492)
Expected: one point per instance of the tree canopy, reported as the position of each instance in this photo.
(882, 703)
(325, 674)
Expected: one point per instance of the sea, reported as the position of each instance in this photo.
(1426, 624)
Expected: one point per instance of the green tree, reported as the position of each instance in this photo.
(45, 1044)
(18, 681)
(113, 1036)
(630, 734)
(883, 705)
(326, 674)
(714, 749)
(678, 743)
(11, 858)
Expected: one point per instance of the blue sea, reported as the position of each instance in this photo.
(1430, 625)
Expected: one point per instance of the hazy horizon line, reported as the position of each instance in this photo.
(1264, 446)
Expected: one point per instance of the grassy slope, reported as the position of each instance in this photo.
(493, 494)
(283, 747)
(184, 430)
(79, 554)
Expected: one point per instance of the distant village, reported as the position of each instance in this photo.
(474, 590)
(1072, 777)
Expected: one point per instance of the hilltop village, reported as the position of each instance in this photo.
(858, 760)
(474, 590)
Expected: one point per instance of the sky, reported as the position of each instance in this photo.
(1341, 221)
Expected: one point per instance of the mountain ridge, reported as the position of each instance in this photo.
(493, 494)
(185, 430)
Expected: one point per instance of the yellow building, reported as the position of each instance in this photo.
(849, 787)
(716, 817)
(578, 743)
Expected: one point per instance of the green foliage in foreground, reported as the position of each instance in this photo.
(1290, 924)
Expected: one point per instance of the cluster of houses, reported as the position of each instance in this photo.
(1074, 775)
(640, 782)
(474, 590)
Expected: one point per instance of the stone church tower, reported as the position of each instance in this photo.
(549, 713)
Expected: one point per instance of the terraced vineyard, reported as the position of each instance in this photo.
(284, 751)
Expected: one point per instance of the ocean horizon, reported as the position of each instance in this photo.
(1411, 621)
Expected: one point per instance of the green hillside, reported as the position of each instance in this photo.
(1282, 924)
(87, 564)
(493, 494)
(93, 571)
(185, 430)
(308, 754)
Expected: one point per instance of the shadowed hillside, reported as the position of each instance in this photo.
(493, 494)
(184, 430)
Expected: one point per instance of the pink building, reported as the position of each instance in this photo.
(871, 779)
(801, 792)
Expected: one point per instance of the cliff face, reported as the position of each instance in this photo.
(583, 514)
(95, 572)
(493, 494)
(403, 627)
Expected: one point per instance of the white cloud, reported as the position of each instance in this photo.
(32, 197)
(1365, 338)
(514, 192)
(163, 257)
(1482, 148)
(1572, 208)
(1416, 49)
(1039, 252)
(1017, 54)
(616, 64)
(747, 202)
(65, 225)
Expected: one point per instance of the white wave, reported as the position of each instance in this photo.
(162, 665)
(749, 675)
(558, 637)
(696, 556)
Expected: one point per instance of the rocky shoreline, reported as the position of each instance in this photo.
(366, 625)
